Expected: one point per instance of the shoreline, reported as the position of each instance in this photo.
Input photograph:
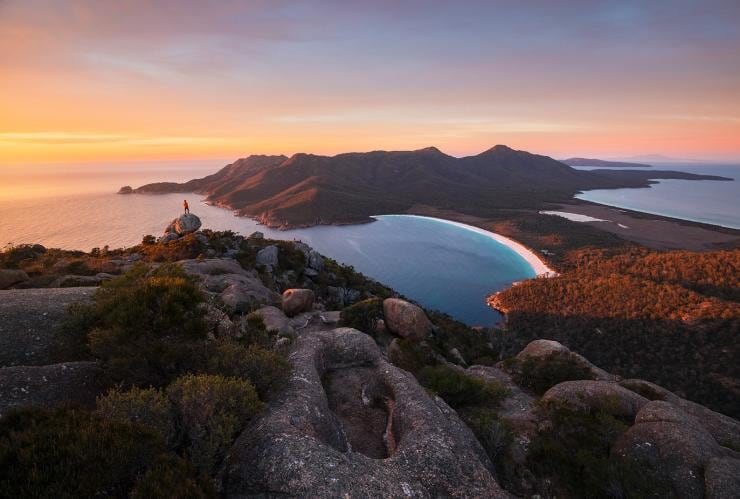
(539, 266)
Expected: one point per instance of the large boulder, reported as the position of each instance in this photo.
(673, 453)
(598, 395)
(267, 256)
(8, 277)
(30, 323)
(315, 260)
(296, 301)
(546, 349)
(276, 320)
(240, 289)
(406, 319)
(184, 224)
(724, 429)
(722, 478)
(48, 386)
(349, 424)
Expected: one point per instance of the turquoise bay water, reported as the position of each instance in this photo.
(439, 265)
(705, 201)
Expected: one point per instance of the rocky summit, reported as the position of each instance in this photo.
(273, 371)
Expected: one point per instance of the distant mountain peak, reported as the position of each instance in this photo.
(430, 149)
(497, 149)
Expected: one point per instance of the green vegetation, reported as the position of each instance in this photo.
(573, 452)
(459, 389)
(69, 454)
(148, 327)
(148, 406)
(181, 400)
(363, 315)
(265, 369)
(212, 410)
(670, 317)
(539, 374)
(171, 477)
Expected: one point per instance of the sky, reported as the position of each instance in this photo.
(85, 81)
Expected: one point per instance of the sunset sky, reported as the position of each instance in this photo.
(150, 80)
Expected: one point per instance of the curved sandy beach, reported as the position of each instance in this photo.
(538, 265)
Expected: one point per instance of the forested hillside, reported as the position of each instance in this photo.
(672, 318)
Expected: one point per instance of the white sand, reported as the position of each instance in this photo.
(537, 264)
(573, 217)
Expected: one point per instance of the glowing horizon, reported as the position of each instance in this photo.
(110, 81)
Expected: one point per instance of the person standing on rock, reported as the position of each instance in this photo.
(186, 206)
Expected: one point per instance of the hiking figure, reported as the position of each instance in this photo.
(187, 208)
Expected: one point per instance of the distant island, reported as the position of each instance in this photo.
(600, 163)
(306, 189)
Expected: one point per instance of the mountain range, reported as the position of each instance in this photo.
(308, 189)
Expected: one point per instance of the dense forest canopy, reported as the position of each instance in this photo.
(669, 317)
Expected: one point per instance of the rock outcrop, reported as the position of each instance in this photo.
(30, 323)
(351, 425)
(296, 301)
(406, 319)
(542, 349)
(240, 289)
(600, 395)
(9, 277)
(184, 224)
(48, 386)
(268, 256)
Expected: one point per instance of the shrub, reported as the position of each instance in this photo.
(475, 346)
(147, 328)
(574, 450)
(171, 477)
(493, 433)
(69, 454)
(149, 240)
(363, 315)
(411, 356)
(460, 389)
(212, 410)
(290, 257)
(254, 332)
(542, 373)
(145, 406)
(265, 369)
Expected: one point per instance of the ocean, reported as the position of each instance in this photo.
(442, 266)
(706, 201)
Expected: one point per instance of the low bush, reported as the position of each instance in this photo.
(459, 389)
(254, 332)
(411, 356)
(265, 369)
(212, 410)
(363, 315)
(475, 346)
(70, 454)
(493, 433)
(539, 374)
(148, 328)
(171, 477)
(574, 452)
(149, 407)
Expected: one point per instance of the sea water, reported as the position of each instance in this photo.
(706, 201)
(441, 266)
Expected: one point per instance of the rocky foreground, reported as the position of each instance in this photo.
(361, 414)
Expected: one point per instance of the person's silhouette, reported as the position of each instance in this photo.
(185, 205)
